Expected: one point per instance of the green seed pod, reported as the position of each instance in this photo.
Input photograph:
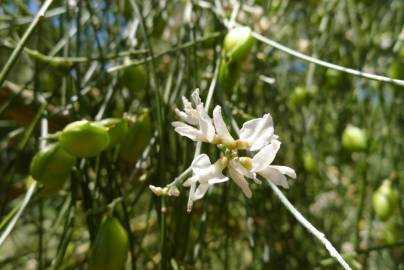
(391, 231)
(117, 129)
(137, 138)
(309, 162)
(111, 246)
(50, 80)
(84, 138)
(134, 78)
(159, 24)
(238, 43)
(354, 139)
(301, 95)
(385, 200)
(52, 166)
(55, 63)
(396, 70)
(298, 97)
(229, 73)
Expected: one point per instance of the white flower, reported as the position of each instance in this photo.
(237, 173)
(258, 132)
(205, 174)
(221, 128)
(196, 125)
(261, 164)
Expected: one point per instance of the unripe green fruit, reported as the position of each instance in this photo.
(117, 129)
(134, 78)
(309, 162)
(391, 232)
(385, 201)
(238, 43)
(111, 246)
(137, 138)
(50, 80)
(354, 139)
(84, 138)
(52, 166)
(301, 95)
(229, 73)
(396, 70)
(159, 24)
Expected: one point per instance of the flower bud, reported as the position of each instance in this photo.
(84, 138)
(158, 191)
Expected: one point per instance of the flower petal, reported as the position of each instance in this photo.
(275, 176)
(258, 132)
(265, 156)
(200, 164)
(190, 197)
(239, 179)
(182, 115)
(205, 123)
(235, 164)
(188, 117)
(195, 97)
(190, 181)
(285, 170)
(200, 191)
(218, 180)
(188, 131)
(220, 125)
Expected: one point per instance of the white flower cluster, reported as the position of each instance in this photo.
(256, 136)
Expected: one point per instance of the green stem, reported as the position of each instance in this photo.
(21, 44)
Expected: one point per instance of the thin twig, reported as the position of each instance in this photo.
(319, 235)
(20, 46)
(172, 50)
(323, 63)
(30, 192)
(316, 61)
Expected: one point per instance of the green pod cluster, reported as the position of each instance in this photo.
(137, 138)
(236, 47)
(354, 139)
(52, 167)
(117, 129)
(111, 246)
(84, 138)
(385, 200)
